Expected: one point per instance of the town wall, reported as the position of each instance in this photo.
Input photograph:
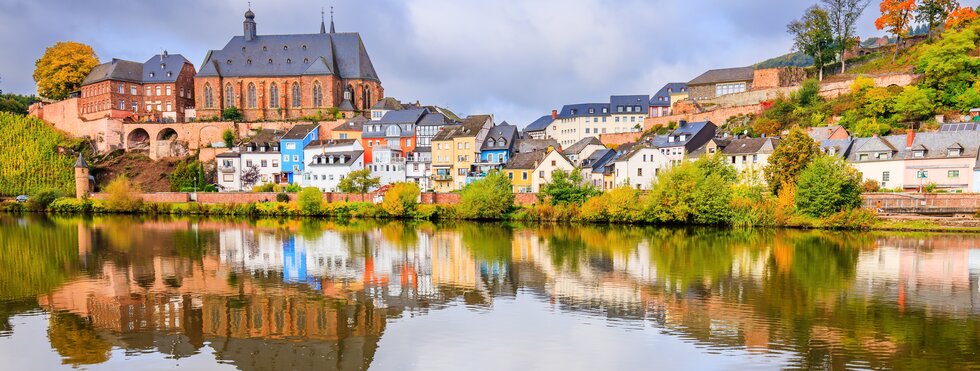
(619, 138)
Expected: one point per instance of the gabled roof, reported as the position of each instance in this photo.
(163, 68)
(299, 131)
(117, 69)
(875, 144)
(662, 98)
(821, 133)
(525, 160)
(330, 143)
(388, 104)
(265, 137)
(409, 116)
(598, 159)
(629, 100)
(530, 145)
(349, 157)
(842, 147)
(724, 75)
(743, 146)
(341, 54)
(579, 146)
(504, 130)
(540, 124)
(356, 123)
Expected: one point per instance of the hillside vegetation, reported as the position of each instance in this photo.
(950, 85)
(34, 156)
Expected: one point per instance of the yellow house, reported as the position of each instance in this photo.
(349, 130)
(520, 169)
(553, 160)
(455, 149)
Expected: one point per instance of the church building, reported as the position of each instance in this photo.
(274, 77)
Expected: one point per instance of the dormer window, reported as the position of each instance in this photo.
(285, 47)
(863, 157)
(163, 65)
(248, 61)
(306, 60)
(169, 74)
(591, 110)
(289, 61)
(683, 137)
(670, 139)
(228, 62)
(243, 49)
(574, 111)
(636, 108)
(918, 153)
(605, 109)
(152, 74)
(954, 152)
(304, 47)
(270, 60)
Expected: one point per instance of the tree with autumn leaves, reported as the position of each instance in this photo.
(62, 69)
(896, 16)
(960, 16)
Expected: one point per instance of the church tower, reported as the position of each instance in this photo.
(249, 25)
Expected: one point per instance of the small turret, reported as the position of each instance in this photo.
(82, 185)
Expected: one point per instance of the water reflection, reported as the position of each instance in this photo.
(301, 294)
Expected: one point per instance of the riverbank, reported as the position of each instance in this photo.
(858, 219)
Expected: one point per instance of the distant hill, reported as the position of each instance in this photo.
(795, 59)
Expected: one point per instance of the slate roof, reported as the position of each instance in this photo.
(582, 109)
(724, 75)
(540, 124)
(265, 137)
(662, 97)
(744, 146)
(526, 160)
(504, 130)
(842, 146)
(354, 124)
(349, 158)
(340, 54)
(879, 144)
(435, 119)
(470, 127)
(299, 131)
(629, 100)
(581, 144)
(389, 104)
(530, 145)
(229, 154)
(163, 68)
(117, 69)
(598, 159)
(80, 162)
(409, 116)
(330, 143)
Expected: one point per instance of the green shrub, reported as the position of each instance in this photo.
(41, 199)
(567, 188)
(70, 205)
(827, 186)
(310, 201)
(282, 197)
(232, 114)
(488, 198)
(293, 188)
(870, 185)
(621, 205)
(401, 199)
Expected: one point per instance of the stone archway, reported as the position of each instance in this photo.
(138, 140)
(168, 144)
(167, 134)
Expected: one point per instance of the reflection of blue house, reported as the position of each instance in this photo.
(293, 261)
(291, 146)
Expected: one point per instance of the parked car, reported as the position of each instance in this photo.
(22, 198)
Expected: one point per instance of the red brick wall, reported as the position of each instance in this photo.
(900, 201)
(619, 138)
(332, 95)
(164, 197)
(428, 198)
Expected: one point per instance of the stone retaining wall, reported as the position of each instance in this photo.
(427, 198)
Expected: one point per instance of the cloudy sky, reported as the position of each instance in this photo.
(517, 59)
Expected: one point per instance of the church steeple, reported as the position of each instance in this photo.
(249, 24)
(332, 29)
(323, 29)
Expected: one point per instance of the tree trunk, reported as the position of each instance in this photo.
(898, 43)
(842, 52)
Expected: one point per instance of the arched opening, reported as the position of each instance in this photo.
(138, 140)
(167, 134)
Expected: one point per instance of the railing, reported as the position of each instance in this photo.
(442, 177)
(226, 169)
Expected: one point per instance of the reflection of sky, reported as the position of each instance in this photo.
(528, 334)
(28, 348)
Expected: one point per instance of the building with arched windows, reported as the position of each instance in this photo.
(273, 77)
(159, 89)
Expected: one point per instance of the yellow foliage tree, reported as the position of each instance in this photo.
(62, 69)
(896, 16)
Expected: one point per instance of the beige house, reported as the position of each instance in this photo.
(455, 149)
(640, 167)
(750, 154)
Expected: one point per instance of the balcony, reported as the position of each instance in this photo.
(442, 177)
(226, 169)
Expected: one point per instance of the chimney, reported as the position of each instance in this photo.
(909, 138)
(554, 114)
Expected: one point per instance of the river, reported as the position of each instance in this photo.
(149, 293)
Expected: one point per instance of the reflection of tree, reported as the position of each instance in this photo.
(75, 340)
(35, 257)
(400, 234)
(487, 242)
(687, 258)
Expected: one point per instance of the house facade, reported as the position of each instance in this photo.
(262, 153)
(292, 145)
(395, 131)
(455, 149)
(496, 150)
(688, 137)
(750, 154)
(640, 167)
(158, 90)
(329, 161)
(287, 76)
(520, 170)
(661, 103)
(229, 171)
(622, 114)
(719, 82)
(553, 160)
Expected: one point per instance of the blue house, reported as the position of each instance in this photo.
(291, 146)
(499, 144)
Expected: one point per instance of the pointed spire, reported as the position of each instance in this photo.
(323, 29)
(80, 162)
(332, 29)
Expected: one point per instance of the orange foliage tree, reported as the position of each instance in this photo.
(960, 16)
(896, 15)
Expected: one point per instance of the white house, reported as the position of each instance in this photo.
(388, 164)
(639, 167)
(262, 153)
(554, 160)
(622, 114)
(229, 171)
(329, 161)
(750, 154)
(418, 167)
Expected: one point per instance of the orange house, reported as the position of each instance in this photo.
(395, 130)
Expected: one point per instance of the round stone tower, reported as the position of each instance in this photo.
(81, 178)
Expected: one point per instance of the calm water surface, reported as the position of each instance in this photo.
(129, 293)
